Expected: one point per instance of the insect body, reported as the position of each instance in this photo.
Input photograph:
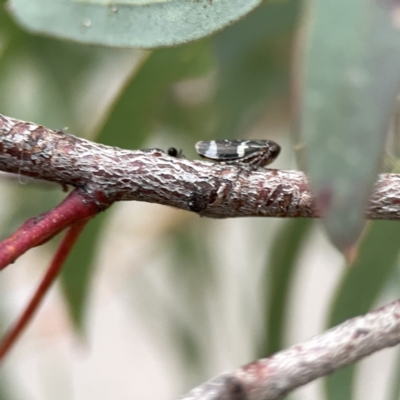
(254, 153)
(173, 152)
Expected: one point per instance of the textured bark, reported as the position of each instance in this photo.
(273, 377)
(212, 190)
(107, 174)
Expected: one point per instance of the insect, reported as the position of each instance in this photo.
(254, 153)
(174, 152)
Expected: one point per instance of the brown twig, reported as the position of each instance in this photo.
(51, 274)
(211, 190)
(273, 377)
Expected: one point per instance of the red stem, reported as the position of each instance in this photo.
(75, 207)
(58, 261)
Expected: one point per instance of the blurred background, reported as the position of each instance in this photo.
(154, 301)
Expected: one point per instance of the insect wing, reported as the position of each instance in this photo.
(231, 150)
(210, 149)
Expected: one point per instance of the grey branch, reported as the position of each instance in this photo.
(215, 191)
(212, 190)
(273, 377)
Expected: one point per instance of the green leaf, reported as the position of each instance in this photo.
(350, 84)
(55, 69)
(360, 288)
(134, 113)
(278, 278)
(395, 392)
(195, 280)
(4, 393)
(190, 122)
(254, 65)
(130, 25)
(43, 103)
(78, 270)
(113, 3)
(65, 64)
(394, 285)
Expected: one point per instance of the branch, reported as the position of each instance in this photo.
(273, 377)
(75, 208)
(49, 277)
(212, 190)
(107, 174)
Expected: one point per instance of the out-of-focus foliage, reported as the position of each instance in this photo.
(351, 81)
(77, 270)
(141, 106)
(395, 393)
(253, 64)
(3, 393)
(360, 288)
(184, 94)
(128, 24)
(278, 278)
(187, 316)
(233, 84)
(3, 388)
(139, 103)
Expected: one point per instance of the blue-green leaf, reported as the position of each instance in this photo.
(349, 87)
(126, 24)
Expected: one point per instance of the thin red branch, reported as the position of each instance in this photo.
(76, 207)
(273, 377)
(51, 274)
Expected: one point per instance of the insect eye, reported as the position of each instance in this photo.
(173, 152)
(275, 151)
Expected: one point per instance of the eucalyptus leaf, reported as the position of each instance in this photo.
(360, 288)
(350, 83)
(152, 25)
(116, 3)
